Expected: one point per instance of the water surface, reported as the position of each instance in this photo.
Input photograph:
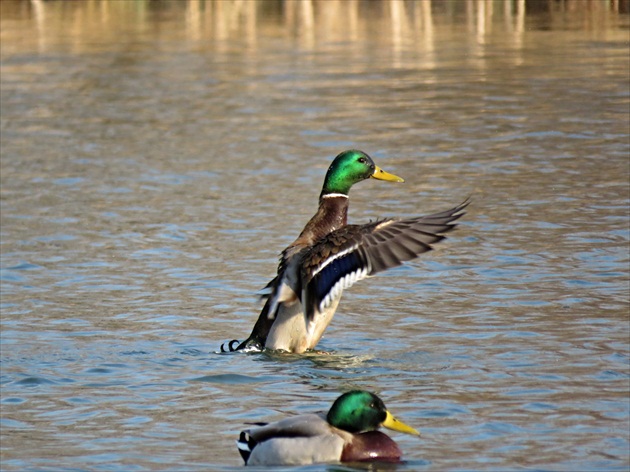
(157, 157)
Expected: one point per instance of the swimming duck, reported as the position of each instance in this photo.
(348, 433)
(329, 256)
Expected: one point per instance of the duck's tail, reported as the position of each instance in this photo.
(246, 346)
(257, 339)
(245, 445)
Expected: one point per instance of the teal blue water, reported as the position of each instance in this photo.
(156, 159)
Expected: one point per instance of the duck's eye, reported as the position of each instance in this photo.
(362, 160)
(372, 405)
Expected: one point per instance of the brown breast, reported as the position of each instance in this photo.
(371, 446)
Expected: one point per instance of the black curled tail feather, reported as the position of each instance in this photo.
(249, 344)
(257, 338)
(230, 346)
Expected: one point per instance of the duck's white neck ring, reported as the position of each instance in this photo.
(334, 195)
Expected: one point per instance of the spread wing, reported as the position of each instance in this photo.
(355, 252)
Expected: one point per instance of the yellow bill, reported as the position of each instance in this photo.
(380, 174)
(392, 423)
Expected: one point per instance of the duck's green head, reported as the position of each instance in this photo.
(351, 167)
(359, 411)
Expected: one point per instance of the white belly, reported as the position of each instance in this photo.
(289, 333)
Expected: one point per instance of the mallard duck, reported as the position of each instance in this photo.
(329, 256)
(348, 433)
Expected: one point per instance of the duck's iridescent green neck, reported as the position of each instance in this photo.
(357, 411)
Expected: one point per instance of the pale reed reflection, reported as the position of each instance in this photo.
(309, 23)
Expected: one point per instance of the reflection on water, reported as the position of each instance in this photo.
(156, 157)
(310, 24)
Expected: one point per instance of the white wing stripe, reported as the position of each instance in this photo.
(342, 284)
(332, 258)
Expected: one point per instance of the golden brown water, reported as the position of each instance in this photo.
(157, 156)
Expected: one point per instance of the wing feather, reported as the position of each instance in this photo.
(355, 252)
